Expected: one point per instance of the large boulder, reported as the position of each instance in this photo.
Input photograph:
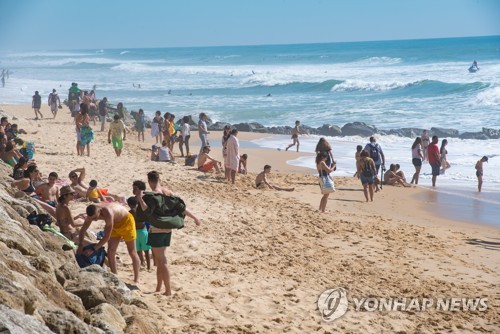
(329, 130)
(218, 126)
(473, 135)
(444, 133)
(491, 133)
(108, 318)
(405, 132)
(14, 321)
(358, 129)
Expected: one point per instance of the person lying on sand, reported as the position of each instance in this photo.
(261, 179)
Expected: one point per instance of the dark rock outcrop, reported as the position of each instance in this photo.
(491, 133)
(358, 129)
(330, 130)
(444, 133)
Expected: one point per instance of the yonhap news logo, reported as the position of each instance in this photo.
(333, 304)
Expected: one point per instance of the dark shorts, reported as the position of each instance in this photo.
(367, 179)
(295, 136)
(478, 173)
(159, 239)
(435, 169)
(417, 162)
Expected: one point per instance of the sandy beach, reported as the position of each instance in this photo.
(261, 258)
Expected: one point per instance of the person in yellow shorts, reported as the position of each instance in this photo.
(120, 224)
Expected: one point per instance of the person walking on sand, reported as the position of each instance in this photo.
(444, 152)
(159, 239)
(139, 124)
(479, 172)
(86, 132)
(323, 171)
(36, 104)
(378, 157)
(357, 156)
(203, 131)
(261, 179)
(417, 158)
(233, 154)
(117, 134)
(434, 158)
(103, 112)
(54, 102)
(366, 173)
(119, 224)
(324, 146)
(295, 136)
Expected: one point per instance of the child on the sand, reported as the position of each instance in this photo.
(139, 125)
(261, 179)
(206, 162)
(295, 136)
(97, 195)
(479, 172)
(242, 167)
(357, 156)
(141, 241)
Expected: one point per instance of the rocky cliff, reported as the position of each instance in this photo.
(42, 289)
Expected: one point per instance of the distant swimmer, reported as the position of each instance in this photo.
(169, 92)
(139, 85)
(133, 85)
(253, 72)
(268, 95)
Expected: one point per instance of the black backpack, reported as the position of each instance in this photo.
(374, 152)
(367, 171)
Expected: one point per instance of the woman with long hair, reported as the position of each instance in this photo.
(324, 146)
(417, 157)
(323, 170)
(443, 153)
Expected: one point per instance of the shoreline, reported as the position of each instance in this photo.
(262, 257)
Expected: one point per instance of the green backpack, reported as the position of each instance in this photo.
(165, 212)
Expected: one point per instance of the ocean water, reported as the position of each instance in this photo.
(390, 84)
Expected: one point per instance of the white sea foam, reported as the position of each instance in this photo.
(352, 85)
(489, 97)
(379, 61)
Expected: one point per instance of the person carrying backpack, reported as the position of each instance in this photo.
(366, 173)
(377, 155)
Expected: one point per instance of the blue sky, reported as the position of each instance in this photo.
(63, 24)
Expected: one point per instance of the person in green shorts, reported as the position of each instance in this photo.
(117, 134)
(141, 243)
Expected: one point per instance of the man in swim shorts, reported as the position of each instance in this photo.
(117, 134)
(206, 162)
(120, 224)
(479, 172)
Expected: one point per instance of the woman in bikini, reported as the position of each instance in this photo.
(26, 185)
(64, 219)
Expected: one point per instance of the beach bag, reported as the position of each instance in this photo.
(165, 212)
(374, 154)
(97, 257)
(39, 219)
(326, 184)
(367, 171)
(190, 160)
(28, 150)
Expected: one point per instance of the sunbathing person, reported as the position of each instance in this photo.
(261, 180)
(77, 182)
(26, 185)
(206, 162)
(10, 155)
(49, 191)
(391, 178)
(68, 225)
